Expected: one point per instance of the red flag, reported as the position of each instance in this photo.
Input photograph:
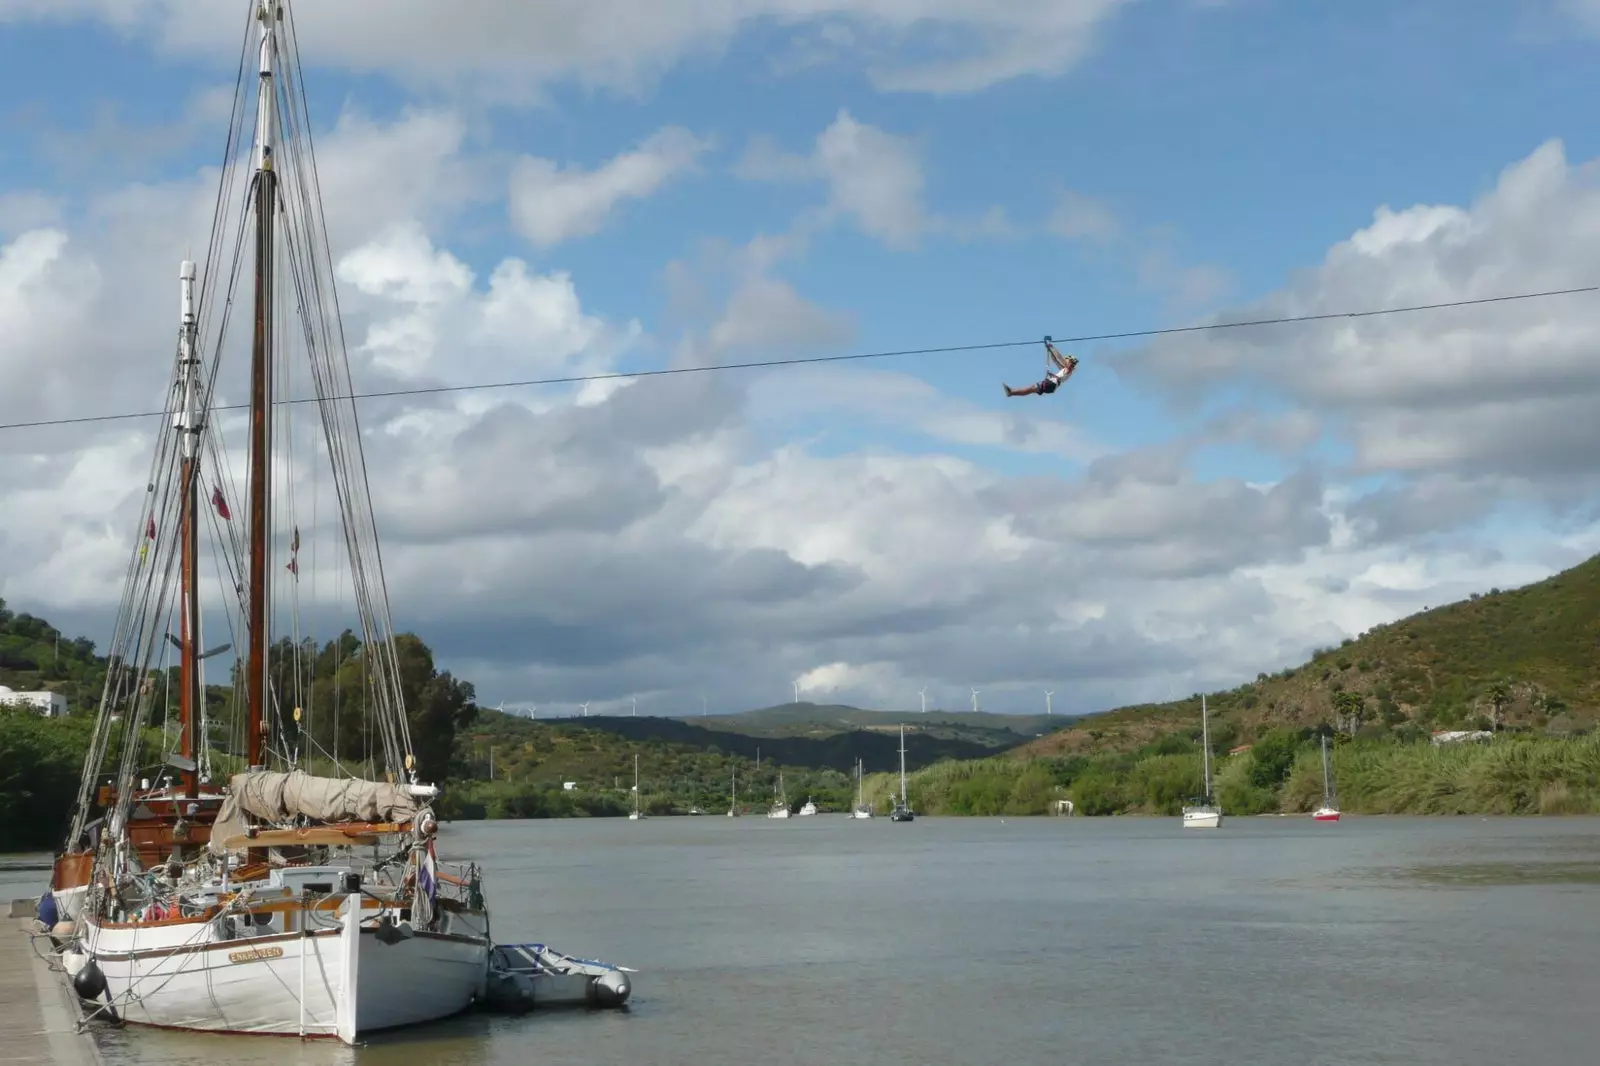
(293, 568)
(150, 528)
(219, 503)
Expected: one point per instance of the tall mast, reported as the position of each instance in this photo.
(190, 422)
(1205, 745)
(902, 766)
(256, 673)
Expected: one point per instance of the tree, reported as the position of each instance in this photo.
(1351, 707)
(438, 706)
(1272, 757)
(1499, 697)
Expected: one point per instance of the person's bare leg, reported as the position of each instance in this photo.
(1026, 390)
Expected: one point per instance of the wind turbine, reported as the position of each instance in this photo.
(1047, 695)
(635, 706)
(924, 694)
(585, 707)
(974, 700)
(705, 708)
(797, 692)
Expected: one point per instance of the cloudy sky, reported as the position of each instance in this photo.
(570, 187)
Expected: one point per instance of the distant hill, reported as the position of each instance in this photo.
(604, 744)
(679, 765)
(36, 657)
(1525, 659)
(993, 731)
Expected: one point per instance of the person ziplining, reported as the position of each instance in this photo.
(1054, 379)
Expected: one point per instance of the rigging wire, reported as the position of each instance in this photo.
(431, 390)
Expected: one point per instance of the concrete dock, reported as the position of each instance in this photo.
(38, 1015)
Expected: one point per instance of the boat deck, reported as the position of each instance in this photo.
(37, 1014)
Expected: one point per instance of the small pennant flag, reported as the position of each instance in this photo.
(293, 568)
(219, 503)
(294, 545)
(150, 528)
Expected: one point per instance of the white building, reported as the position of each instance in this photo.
(49, 704)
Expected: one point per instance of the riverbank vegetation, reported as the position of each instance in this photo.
(1510, 774)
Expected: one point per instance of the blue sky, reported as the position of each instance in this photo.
(1196, 159)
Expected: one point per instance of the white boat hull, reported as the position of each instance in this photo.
(339, 981)
(1201, 818)
(1325, 814)
(778, 814)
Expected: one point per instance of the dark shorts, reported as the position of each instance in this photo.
(1047, 386)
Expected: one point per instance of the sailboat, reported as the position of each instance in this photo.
(1206, 814)
(638, 811)
(1329, 811)
(304, 896)
(862, 809)
(902, 810)
(780, 805)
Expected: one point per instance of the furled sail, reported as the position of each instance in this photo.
(271, 797)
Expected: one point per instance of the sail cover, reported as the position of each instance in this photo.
(268, 796)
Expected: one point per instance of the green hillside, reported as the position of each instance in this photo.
(1525, 660)
(36, 657)
(680, 765)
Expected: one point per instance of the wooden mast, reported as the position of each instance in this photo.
(191, 423)
(256, 675)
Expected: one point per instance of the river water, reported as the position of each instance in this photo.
(1017, 941)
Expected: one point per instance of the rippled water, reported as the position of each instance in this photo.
(972, 941)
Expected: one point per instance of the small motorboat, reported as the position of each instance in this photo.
(524, 976)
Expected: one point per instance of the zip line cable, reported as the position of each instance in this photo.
(431, 390)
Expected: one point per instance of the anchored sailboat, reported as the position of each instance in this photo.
(780, 805)
(862, 810)
(1329, 811)
(902, 810)
(638, 811)
(248, 909)
(1206, 814)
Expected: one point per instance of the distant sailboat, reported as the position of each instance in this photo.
(1329, 811)
(780, 806)
(1206, 814)
(638, 810)
(902, 810)
(862, 810)
(807, 809)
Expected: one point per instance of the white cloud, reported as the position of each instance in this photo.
(874, 178)
(933, 46)
(1149, 253)
(1077, 216)
(1496, 391)
(551, 204)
